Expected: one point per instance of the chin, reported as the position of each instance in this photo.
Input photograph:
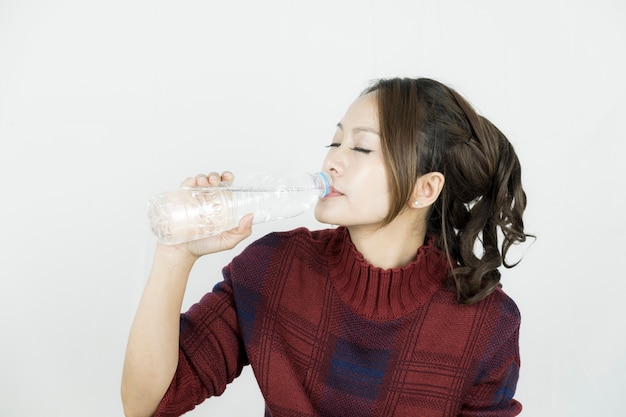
(322, 216)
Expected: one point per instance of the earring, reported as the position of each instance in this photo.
(416, 203)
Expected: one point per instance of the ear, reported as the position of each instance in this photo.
(427, 189)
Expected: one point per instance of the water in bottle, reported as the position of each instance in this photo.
(188, 214)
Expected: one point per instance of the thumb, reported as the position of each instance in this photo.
(225, 240)
(231, 238)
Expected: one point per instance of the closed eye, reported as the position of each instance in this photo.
(362, 150)
(356, 148)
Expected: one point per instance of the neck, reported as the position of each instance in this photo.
(391, 246)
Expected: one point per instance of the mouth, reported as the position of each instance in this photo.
(334, 193)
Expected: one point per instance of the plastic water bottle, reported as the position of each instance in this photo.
(188, 214)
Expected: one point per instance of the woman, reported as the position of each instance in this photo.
(396, 312)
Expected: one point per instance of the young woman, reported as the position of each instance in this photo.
(396, 312)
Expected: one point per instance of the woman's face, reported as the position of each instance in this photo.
(360, 195)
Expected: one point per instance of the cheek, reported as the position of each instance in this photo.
(377, 190)
(378, 181)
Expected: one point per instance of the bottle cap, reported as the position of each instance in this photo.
(325, 183)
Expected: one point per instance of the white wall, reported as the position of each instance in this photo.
(102, 104)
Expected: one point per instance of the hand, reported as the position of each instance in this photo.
(213, 179)
(225, 240)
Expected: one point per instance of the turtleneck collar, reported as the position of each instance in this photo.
(384, 294)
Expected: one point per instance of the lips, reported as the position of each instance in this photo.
(334, 192)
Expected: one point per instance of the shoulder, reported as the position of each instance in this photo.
(495, 313)
(296, 237)
(501, 315)
(304, 234)
(497, 303)
(279, 257)
(288, 243)
(502, 304)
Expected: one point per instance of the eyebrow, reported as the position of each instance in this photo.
(361, 129)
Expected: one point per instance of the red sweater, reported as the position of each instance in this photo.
(327, 334)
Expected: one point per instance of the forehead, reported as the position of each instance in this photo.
(363, 112)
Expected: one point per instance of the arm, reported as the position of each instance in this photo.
(492, 394)
(152, 350)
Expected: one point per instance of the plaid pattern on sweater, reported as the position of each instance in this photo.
(327, 334)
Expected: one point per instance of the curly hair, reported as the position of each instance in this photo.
(426, 126)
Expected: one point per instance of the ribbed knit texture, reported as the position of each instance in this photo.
(384, 294)
(327, 334)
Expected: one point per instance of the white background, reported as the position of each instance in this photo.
(103, 104)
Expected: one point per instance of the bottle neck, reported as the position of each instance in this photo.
(323, 183)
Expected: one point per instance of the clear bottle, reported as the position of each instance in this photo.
(188, 214)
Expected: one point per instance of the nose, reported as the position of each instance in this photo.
(333, 162)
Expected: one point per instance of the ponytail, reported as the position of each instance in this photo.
(478, 215)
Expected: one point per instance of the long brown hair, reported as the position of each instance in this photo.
(426, 126)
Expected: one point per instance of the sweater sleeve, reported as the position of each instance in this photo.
(211, 352)
(492, 393)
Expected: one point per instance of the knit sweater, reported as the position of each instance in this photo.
(328, 334)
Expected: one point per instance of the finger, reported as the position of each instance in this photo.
(245, 224)
(188, 182)
(213, 179)
(231, 238)
(203, 180)
(226, 240)
(227, 178)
